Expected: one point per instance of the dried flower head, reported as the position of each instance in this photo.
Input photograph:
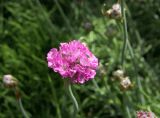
(109, 12)
(9, 81)
(73, 60)
(124, 80)
(125, 83)
(118, 74)
(114, 12)
(117, 8)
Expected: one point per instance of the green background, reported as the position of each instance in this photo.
(30, 28)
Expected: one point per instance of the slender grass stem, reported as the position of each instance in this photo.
(126, 108)
(140, 89)
(58, 110)
(1, 17)
(125, 32)
(64, 17)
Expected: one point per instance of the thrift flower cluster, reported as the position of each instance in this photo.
(73, 60)
(142, 114)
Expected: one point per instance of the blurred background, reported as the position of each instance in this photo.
(30, 28)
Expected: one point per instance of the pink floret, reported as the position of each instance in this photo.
(73, 60)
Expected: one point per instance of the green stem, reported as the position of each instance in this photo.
(17, 94)
(58, 111)
(22, 108)
(1, 18)
(126, 106)
(125, 36)
(136, 73)
(96, 85)
(125, 32)
(73, 99)
(127, 44)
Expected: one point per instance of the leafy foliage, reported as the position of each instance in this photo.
(29, 28)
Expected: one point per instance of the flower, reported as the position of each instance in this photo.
(9, 81)
(73, 60)
(143, 114)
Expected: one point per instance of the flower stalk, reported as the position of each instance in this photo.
(125, 36)
(11, 82)
(126, 44)
(19, 100)
(74, 101)
(72, 97)
(22, 108)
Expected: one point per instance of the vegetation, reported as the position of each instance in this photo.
(30, 28)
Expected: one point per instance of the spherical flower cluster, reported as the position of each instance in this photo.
(73, 60)
(143, 114)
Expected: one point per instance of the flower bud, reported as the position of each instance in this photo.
(88, 26)
(9, 81)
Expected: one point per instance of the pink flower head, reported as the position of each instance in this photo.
(142, 114)
(73, 60)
